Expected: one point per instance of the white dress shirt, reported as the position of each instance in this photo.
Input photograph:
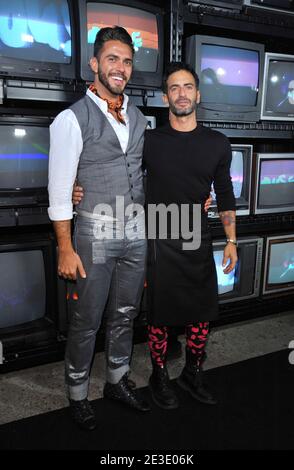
(66, 145)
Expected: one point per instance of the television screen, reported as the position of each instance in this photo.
(144, 22)
(230, 74)
(275, 183)
(278, 96)
(140, 24)
(22, 287)
(244, 281)
(241, 179)
(279, 265)
(225, 281)
(35, 30)
(36, 38)
(24, 154)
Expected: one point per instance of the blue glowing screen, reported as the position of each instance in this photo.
(281, 263)
(37, 30)
(225, 281)
(23, 157)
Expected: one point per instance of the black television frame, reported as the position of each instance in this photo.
(268, 115)
(139, 80)
(25, 197)
(285, 287)
(240, 210)
(271, 156)
(30, 334)
(259, 241)
(31, 69)
(219, 111)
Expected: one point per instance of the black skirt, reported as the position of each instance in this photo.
(181, 285)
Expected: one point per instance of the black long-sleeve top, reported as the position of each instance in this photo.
(181, 167)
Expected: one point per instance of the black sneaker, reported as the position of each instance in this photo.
(83, 414)
(123, 393)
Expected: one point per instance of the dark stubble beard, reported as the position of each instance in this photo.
(114, 90)
(182, 112)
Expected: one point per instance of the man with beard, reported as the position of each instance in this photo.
(99, 141)
(182, 160)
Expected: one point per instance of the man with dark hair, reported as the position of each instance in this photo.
(183, 159)
(99, 141)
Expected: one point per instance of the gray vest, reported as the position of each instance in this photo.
(104, 170)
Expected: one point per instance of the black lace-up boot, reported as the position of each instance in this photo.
(123, 392)
(161, 389)
(191, 379)
(83, 414)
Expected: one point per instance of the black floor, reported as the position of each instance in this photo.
(255, 411)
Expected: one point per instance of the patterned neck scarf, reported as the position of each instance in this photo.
(116, 107)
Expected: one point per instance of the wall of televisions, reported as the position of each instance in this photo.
(241, 50)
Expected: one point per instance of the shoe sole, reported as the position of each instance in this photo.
(164, 407)
(185, 387)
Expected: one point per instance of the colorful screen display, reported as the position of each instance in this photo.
(276, 183)
(22, 287)
(225, 282)
(281, 263)
(37, 30)
(23, 157)
(229, 75)
(237, 173)
(140, 24)
(279, 99)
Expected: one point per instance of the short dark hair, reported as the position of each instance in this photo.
(176, 67)
(115, 33)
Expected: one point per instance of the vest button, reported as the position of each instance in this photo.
(130, 176)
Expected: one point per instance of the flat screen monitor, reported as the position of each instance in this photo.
(144, 23)
(24, 150)
(244, 281)
(278, 91)
(279, 264)
(241, 168)
(274, 183)
(37, 39)
(231, 75)
(27, 284)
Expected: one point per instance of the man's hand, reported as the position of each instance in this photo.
(208, 203)
(77, 194)
(68, 264)
(230, 252)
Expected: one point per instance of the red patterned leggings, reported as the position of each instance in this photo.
(196, 338)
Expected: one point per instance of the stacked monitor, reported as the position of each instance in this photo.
(24, 150)
(231, 76)
(241, 170)
(37, 39)
(279, 264)
(27, 285)
(240, 82)
(274, 183)
(278, 91)
(143, 21)
(244, 281)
